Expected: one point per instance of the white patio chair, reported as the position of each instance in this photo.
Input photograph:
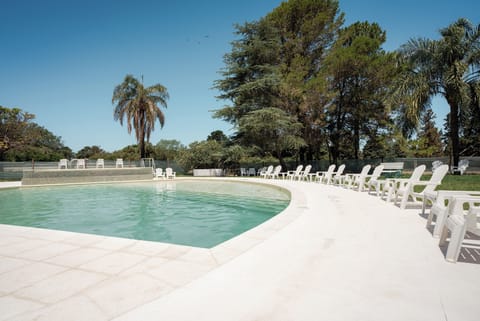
(276, 172)
(81, 163)
(267, 172)
(374, 181)
(357, 181)
(407, 191)
(63, 163)
(458, 223)
(304, 175)
(394, 184)
(436, 164)
(461, 168)
(325, 177)
(339, 177)
(295, 173)
(100, 163)
(119, 163)
(439, 210)
(159, 173)
(252, 171)
(243, 171)
(169, 173)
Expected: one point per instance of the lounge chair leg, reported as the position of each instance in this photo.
(456, 224)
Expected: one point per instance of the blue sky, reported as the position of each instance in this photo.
(61, 60)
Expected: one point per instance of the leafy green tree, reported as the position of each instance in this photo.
(91, 152)
(446, 67)
(21, 139)
(167, 149)
(219, 136)
(139, 107)
(429, 137)
(360, 74)
(204, 154)
(273, 131)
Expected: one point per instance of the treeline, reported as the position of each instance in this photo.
(301, 84)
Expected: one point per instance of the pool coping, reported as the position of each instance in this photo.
(28, 248)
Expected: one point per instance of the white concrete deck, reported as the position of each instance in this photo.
(334, 254)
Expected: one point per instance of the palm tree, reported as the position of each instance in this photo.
(449, 67)
(139, 107)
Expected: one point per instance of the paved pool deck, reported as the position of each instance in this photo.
(334, 254)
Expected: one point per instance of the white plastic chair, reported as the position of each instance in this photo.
(407, 191)
(243, 171)
(304, 175)
(339, 178)
(63, 163)
(292, 174)
(394, 184)
(100, 163)
(461, 168)
(119, 163)
(81, 163)
(169, 173)
(439, 209)
(276, 172)
(251, 171)
(436, 164)
(458, 224)
(357, 181)
(325, 177)
(374, 181)
(159, 173)
(267, 172)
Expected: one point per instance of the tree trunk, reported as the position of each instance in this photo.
(454, 118)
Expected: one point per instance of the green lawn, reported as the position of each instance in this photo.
(458, 182)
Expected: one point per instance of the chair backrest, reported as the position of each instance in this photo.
(63, 162)
(436, 164)
(251, 171)
(463, 164)
(277, 170)
(340, 170)
(158, 171)
(417, 173)
(81, 163)
(100, 163)
(168, 171)
(243, 171)
(377, 171)
(298, 170)
(269, 170)
(307, 169)
(329, 172)
(119, 162)
(365, 170)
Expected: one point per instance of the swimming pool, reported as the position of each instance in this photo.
(195, 213)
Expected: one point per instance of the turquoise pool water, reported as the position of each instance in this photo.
(194, 213)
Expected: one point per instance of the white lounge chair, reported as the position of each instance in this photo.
(304, 175)
(374, 181)
(461, 168)
(325, 177)
(436, 164)
(267, 172)
(159, 173)
(251, 171)
(63, 163)
(100, 163)
(407, 191)
(394, 184)
(169, 173)
(81, 163)
(439, 210)
(339, 177)
(119, 163)
(357, 181)
(458, 224)
(295, 173)
(243, 171)
(276, 172)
